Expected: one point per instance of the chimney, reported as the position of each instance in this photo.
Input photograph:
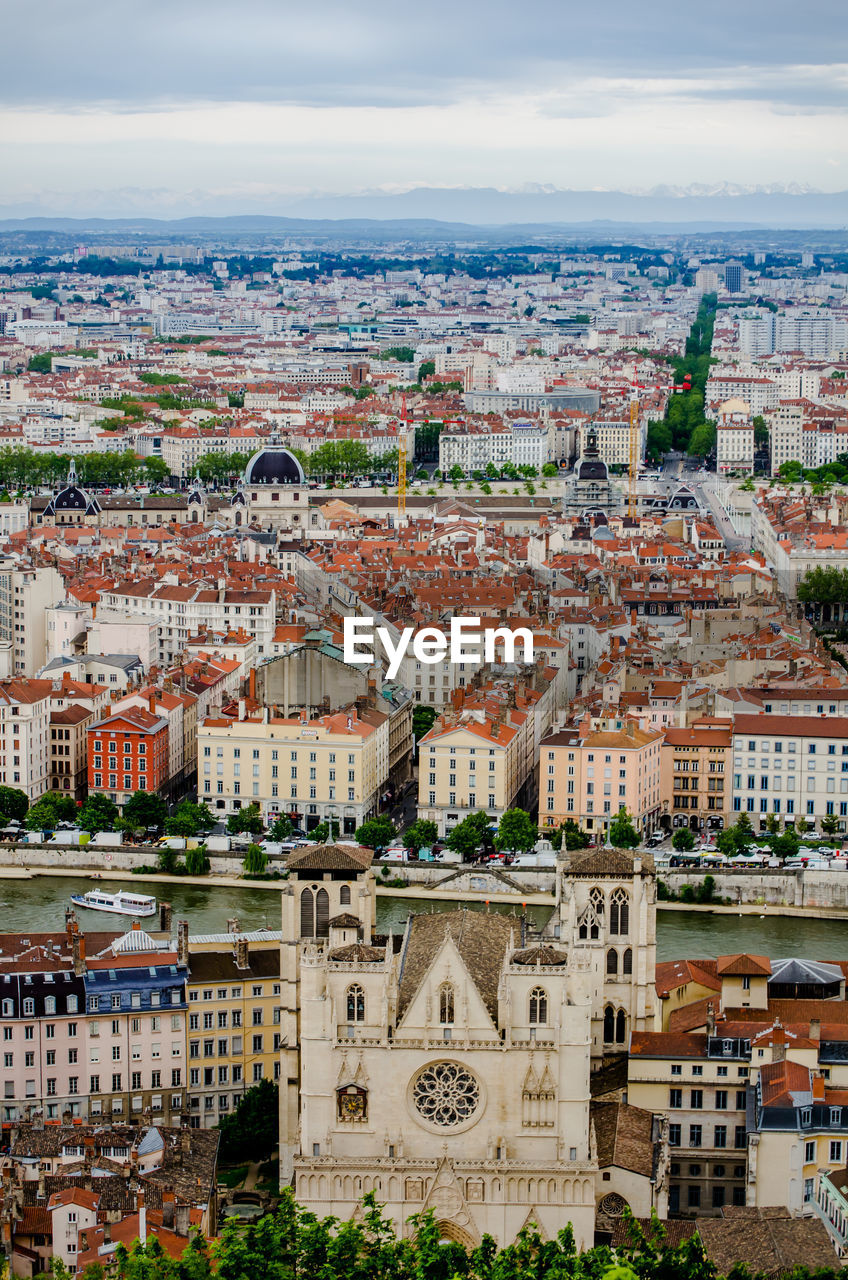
(182, 942)
(165, 917)
(252, 683)
(815, 1029)
(233, 925)
(711, 1022)
(778, 1040)
(151, 703)
(182, 1219)
(78, 946)
(106, 712)
(142, 1216)
(242, 709)
(242, 961)
(169, 1204)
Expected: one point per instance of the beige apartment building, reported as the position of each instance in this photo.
(695, 782)
(587, 775)
(332, 767)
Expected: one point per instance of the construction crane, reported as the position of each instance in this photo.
(402, 462)
(635, 452)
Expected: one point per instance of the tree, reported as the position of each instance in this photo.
(255, 861)
(426, 369)
(252, 1130)
(326, 832)
(456, 473)
(99, 813)
(280, 829)
(574, 837)
(550, 469)
(197, 862)
(156, 470)
(657, 441)
(376, 833)
(189, 819)
(830, 824)
(49, 810)
(824, 586)
(787, 844)
(702, 440)
(468, 835)
(147, 809)
(516, 830)
(423, 719)
(683, 840)
(761, 431)
(737, 839)
(622, 833)
(420, 834)
(13, 804)
(247, 820)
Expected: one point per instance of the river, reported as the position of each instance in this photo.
(39, 905)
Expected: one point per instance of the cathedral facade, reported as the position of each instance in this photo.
(448, 1068)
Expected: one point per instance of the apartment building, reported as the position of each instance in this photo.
(734, 439)
(127, 752)
(233, 1033)
(135, 993)
(69, 750)
(179, 711)
(695, 783)
(700, 1082)
(25, 596)
(332, 766)
(587, 775)
(792, 766)
(184, 611)
(25, 758)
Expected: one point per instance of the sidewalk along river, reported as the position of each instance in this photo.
(39, 905)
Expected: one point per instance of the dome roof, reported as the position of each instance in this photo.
(70, 499)
(273, 465)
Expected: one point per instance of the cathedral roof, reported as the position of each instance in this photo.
(358, 953)
(480, 937)
(607, 862)
(331, 857)
(345, 921)
(539, 955)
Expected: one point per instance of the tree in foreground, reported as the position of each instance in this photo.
(13, 804)
(420, 834)
(189, 819)
(49, 810)
(246, 820)
(683, 840)
(255, 861)
(146, 809)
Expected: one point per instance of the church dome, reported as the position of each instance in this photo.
(71, 499)
(273, 465)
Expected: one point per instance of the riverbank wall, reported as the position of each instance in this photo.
(805, 890)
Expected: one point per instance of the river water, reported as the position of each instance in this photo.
(39, 905)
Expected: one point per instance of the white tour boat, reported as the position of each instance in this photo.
(123, 904)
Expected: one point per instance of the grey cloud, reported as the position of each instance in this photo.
(381, 53)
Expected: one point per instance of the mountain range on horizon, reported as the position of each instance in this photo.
(697, 207)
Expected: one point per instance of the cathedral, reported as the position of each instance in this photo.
(448, 1067)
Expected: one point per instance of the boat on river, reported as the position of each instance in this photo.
(121, 903)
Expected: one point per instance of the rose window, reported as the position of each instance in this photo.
(446, 1094)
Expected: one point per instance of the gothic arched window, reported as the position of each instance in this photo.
(620, 912)
(627, 965)
(596, 898)
(344, 895)
(620, 1027)
(609, 1024)
(538, 1006)
(322, 914)
(446, 1003)
(307, 914)
(355, 1004)
(612, 961)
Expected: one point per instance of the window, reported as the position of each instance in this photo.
(675, 1098)
(674, 1135)
(809, 1152)
(446, 1010)
(721, 1100)
(739, 1137)
(720, 1136)
(538, 1006)
(612, 961)
(355, 1001)
(619, 921)
(696, 1099)
(835, 1153)
(694, 1135)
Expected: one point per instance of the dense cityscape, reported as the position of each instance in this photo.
(214, 457)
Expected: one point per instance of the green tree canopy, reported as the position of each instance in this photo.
(255, 860)
(246, 820)
(146, 809)
(423, 719)
(376, 833)
(683, 840)
(516, 830)
(468, 836)
(702, 440)
(99, 813)
(189, 819)
(420, 834)
(281, 828)
(622, 833)
(824, 585)
(49, 810)
(13, 804)
(251, 1131)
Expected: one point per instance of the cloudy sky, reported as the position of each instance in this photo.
(196, 106)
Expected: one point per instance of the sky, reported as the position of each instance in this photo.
(204, 107)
